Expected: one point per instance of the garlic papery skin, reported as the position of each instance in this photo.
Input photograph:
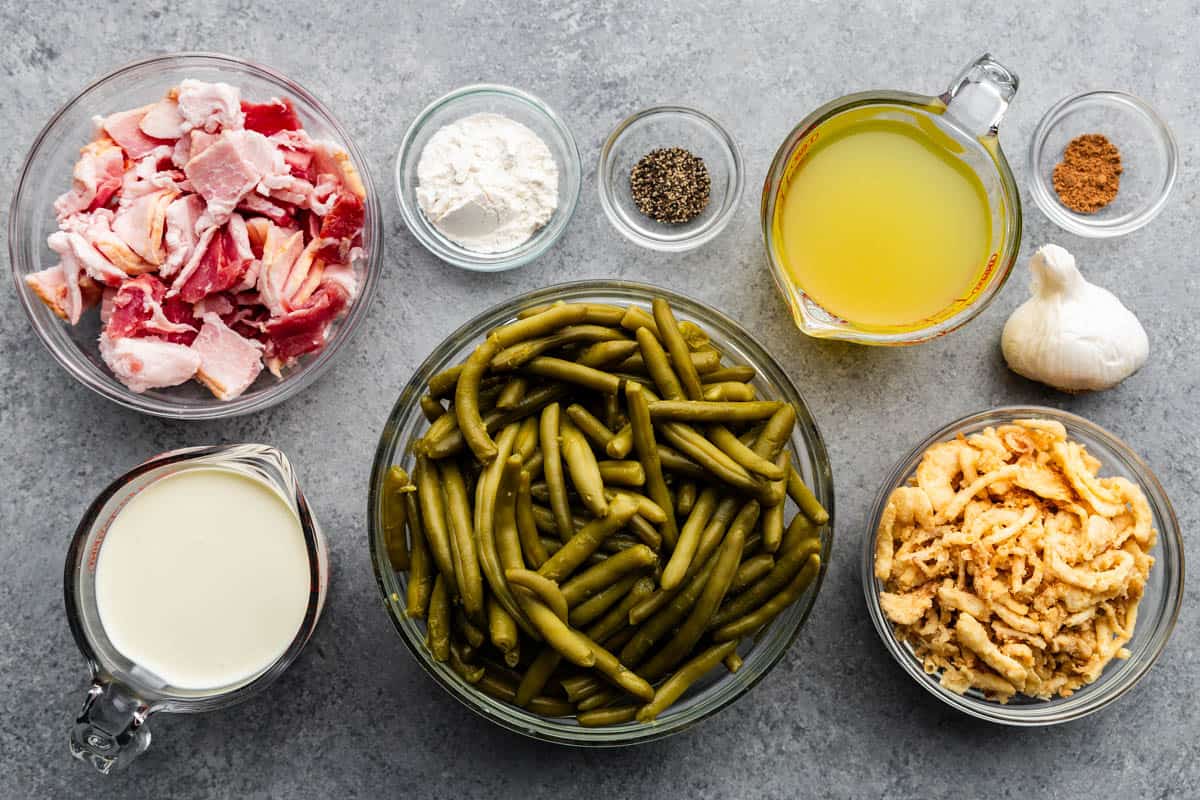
(1071, 334)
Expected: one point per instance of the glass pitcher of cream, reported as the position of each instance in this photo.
(891, 218)
(191, 584)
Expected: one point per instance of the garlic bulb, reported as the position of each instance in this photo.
(1071, 334)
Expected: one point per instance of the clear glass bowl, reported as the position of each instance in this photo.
(406, 424)
(670, 126)
(1149, 156)
(1157, 612)
(47, 173)
(516, 105)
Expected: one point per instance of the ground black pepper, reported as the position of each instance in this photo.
(670, 184)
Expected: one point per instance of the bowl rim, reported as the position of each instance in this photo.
(504, 714)
(1082, 224)
(542, 239)
(1086, 702)
(701, 235)
(292, 383)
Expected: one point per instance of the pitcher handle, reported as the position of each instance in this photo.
(111, 729)
(978, 98)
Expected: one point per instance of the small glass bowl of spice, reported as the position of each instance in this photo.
(670, 178)
(1102, 164)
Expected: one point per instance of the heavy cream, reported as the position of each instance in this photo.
(203, 578)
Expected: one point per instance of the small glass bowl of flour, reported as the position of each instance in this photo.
(488, 177)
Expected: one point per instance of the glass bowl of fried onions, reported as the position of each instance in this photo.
(996, 541)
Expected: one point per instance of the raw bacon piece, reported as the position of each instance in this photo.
(254, 203)
(148, 363)
(304, 330)
(96, 227)
(180, 236)
(210, 106)
(229, 362)
(123, 128)
(98, 174)
(339, 227)
(137, 310)
(221, 266)
(78, 256)
(334, 160)
(66, 300)
(163, 120)
(142, 223)
(280, 252)
(229, 168)
(271, 117)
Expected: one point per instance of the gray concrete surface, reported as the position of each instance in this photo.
(356, 717)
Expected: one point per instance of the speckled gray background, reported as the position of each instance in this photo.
(355, 716)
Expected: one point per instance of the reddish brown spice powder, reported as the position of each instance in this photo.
(1089, 175)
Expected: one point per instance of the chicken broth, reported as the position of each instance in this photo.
(203, 578)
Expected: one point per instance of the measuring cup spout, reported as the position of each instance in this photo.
(979, 96)
(111, 729)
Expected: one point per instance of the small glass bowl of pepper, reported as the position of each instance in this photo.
(1148, 163)
(665, 203)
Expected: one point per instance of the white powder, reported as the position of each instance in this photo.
(487, 182)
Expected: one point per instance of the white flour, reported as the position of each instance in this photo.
(487, 182)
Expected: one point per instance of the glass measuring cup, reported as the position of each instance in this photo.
(111, 729)
(969, 113)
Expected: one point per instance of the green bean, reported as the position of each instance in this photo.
(614, 417)
(659, 365)
(741, 374)
(433, 515)
(594, 313)
(582, 467)
(534, 464)
(437, 626)
(604, 696)
(591, 427)
(704, 362)
(636, 317)
(550, 320)
(723, 438)
(728, 391)
(802, 496)
(607, 572)
(420, 569)
(502, 631)
(681, 357)
(468, 672)
(776, 432)
(603, 717)
(537, 675)
(617, 618)
(801, 532)
(442, 384)
(546, 590)
(647, 449)
(689, 540)
(469, 631)
(508, 538)
(503, 689)
(393, 515)
(771, 608)
(693, 445)
(623, 473)
(520, 353)
(674, 461)
(527, 439)
(786, 567)
(487, 516)
(674, 687)
(643, 530)
(569, 372)
(621, 443)
(596, 605)
(567, 641)
(462, 539)
(685, 498)
(695, 336)
(466, 401)
(772, 519)
(704, 411)
(431, 408)
(576, 550)
(608, 665)
(647, 508)
(580, 687)
(605, 354)
(531, 543)
(513, 392)
(666, 618)
(452, 442)
(727, 559)
(733, 662)
(443, 427)
(553, 468)
(751, 570)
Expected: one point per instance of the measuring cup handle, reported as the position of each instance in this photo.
(978, 98)
(111, 729)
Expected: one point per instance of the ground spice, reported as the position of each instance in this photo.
(670, 184)
(1089, 175)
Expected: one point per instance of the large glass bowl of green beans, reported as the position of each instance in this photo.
(599, 513)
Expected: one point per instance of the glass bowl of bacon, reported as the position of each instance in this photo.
(195, 236)
(1024, 565)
